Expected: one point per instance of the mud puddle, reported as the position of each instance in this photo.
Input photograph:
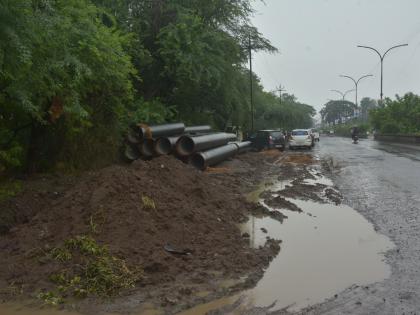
(12, 309)
(325, 249)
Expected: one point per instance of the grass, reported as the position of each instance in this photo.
(88, 268)
(9, 189)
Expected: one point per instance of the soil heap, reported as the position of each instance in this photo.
(135, 211)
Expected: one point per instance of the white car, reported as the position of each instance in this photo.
(300, 138)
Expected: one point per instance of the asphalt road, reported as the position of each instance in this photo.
(382, 182)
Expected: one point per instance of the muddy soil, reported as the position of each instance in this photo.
(191, 210)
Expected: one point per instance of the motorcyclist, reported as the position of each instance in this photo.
(355, 133)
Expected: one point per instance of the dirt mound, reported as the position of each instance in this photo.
(136, 210)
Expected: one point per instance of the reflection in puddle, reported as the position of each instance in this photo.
(326, 249)
(318, 180)
(319, 256)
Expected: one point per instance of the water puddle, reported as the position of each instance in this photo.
(11, 309)
(325, 249)
(318, 179)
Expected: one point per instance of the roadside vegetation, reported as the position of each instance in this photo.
(399, 116)
(338, 116)
(74, 74)
(86, 268)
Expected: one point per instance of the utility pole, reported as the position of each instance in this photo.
(280, 89)
(356, 82)
(382, 61)
(250, 83)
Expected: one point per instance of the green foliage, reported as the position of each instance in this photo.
(88, 268)
(9, 189)
(50, 298)
(336, 110)
(287, 113)
(344, 130)
(62, 72)
(75, 74)
(366, 105)
(400, 116)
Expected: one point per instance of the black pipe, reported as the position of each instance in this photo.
(243, 146)
(132, 137)
(197, 129)
(149, 132)
(146, 148)
(131, 153)
(187, 145)
(201, 160)
(165, 145)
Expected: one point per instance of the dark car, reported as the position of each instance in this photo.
(269, 139)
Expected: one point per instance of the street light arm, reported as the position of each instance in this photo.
(393, 48)
(345, 93)
(379, 54)
(365, 76)
(346, 76)
(339, 92)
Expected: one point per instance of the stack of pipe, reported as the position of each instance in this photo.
(195, 144)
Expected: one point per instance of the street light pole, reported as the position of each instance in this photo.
(342, 94)
(356, 82)
(251, 84)
(382, 61)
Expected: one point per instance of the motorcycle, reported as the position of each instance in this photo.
(355, 139)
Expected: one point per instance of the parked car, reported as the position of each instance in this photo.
(301, 138)
(269, 139)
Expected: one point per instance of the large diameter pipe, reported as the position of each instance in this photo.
(165, 145)
(201, 160)
(149, 132)
(131, 153)
(243, 146)
(197, 129)
(147, 148)
(187, 145)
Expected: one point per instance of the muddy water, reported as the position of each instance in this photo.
(325, 249)
(12, 309)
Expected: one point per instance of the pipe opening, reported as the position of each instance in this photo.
(197, 160)
(147, 147)
(185, 146)
(163, 146)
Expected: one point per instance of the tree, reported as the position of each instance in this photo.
(399, 116)
(366, 105)
(64, 77)
(336, 110)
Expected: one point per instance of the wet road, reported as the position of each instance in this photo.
(382, 182)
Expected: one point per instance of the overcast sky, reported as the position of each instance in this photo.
(317, 41)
